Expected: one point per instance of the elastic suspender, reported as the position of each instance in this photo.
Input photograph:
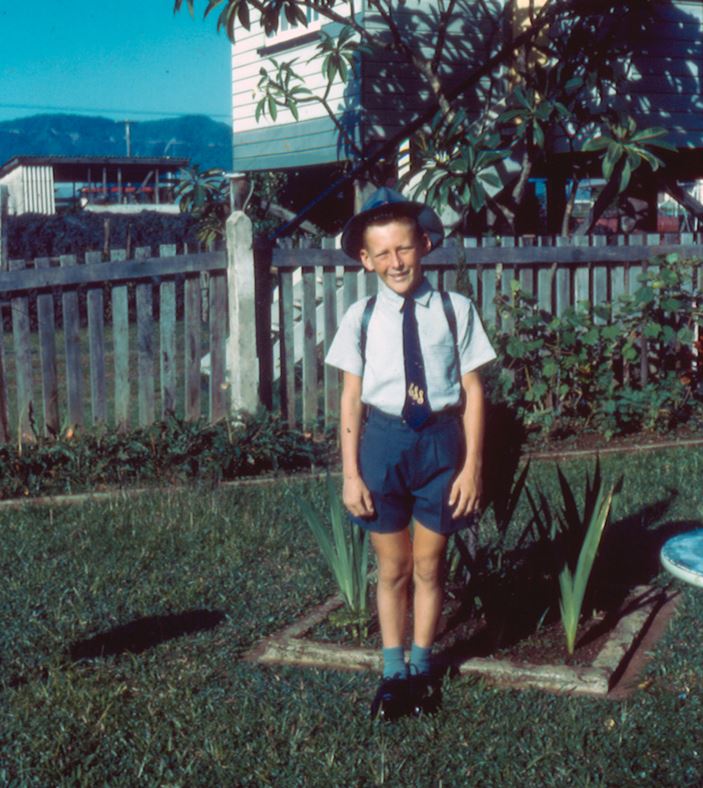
(451, 320)
(365, 318)
(450, 315)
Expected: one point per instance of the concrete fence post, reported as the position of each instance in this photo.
(4, 207)
(242, 362)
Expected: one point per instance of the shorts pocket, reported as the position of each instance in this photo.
(448, 447)
(373, 458)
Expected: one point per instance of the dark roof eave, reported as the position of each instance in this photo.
(84, 162)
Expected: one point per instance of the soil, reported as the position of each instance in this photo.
(592, 442)
(517, 636)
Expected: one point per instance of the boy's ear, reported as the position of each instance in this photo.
(365, 260)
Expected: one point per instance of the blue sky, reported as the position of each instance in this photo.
(115, 58)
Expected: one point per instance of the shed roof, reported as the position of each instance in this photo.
(77, 168)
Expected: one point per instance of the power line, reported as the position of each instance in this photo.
(114, 111)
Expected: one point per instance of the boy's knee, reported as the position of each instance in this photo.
(427, 570)
(395, 572)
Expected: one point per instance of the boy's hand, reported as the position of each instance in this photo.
(465, 495)
(357, 497)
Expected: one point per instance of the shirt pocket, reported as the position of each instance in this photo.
(440, 360)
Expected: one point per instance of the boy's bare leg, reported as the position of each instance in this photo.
(428, 556)
(395, 568)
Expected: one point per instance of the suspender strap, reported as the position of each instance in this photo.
(451, 321)
(365, 318)
(449, 314)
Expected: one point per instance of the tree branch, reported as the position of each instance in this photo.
(546, 16)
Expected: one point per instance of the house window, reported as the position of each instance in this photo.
(287, 31)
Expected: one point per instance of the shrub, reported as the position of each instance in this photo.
(169, 451)
(616, 367)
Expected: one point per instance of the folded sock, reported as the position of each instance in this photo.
(394, 663)
(420, 660)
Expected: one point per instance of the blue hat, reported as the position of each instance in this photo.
(428, 221)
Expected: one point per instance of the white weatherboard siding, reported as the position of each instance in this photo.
(374, 106)
(665, 73)
(30, 190)
(247, 61)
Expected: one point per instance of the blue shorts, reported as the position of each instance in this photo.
(410, 473)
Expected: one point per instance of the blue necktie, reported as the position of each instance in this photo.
(416, 409)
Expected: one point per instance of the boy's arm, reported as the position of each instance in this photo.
(465, 493)
(356, 495)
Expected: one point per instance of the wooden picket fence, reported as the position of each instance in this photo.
(48, 297)
(121, 341)
(315, 286)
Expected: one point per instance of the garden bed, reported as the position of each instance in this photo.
(601, 655)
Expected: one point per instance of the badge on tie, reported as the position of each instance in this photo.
(416, 409)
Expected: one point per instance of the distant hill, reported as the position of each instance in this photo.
(205, 142)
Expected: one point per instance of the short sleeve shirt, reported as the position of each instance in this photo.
(383, 384)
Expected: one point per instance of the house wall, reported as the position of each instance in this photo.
(284, 142)
(665, 74)
(30, 190)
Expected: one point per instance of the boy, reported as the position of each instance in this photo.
(419, 454)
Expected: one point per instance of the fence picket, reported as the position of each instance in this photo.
(287, 350)
(309, 349)
(489, 284)
(617, 280)
(72, 348)
(167, 338)
(217, 311)
(563, 281)
(96, 344)
(46, 327)
(432, 277)
(473, 271)
(351, 285)
(263, 317)
(5, 435)
(145, 346)
(599, 281)
(331, 375)
(191, 336)
(120, 346)
(23, 359)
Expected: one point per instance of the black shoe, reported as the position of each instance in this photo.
(392, 700)
(425, 694)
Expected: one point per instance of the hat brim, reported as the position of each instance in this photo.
(427, 219)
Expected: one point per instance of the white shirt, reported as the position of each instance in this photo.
(383, 383)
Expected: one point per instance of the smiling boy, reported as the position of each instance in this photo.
(410, 357)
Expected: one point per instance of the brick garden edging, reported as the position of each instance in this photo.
(290, 646)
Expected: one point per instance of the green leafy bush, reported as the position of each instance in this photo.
(33, 235)
(170, 451)
(615, 368)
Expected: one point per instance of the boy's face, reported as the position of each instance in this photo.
(394, 250)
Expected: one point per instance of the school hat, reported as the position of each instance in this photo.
(428, 221)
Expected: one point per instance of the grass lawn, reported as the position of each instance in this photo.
(185, 710)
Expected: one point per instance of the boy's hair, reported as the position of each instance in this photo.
(391, 213)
